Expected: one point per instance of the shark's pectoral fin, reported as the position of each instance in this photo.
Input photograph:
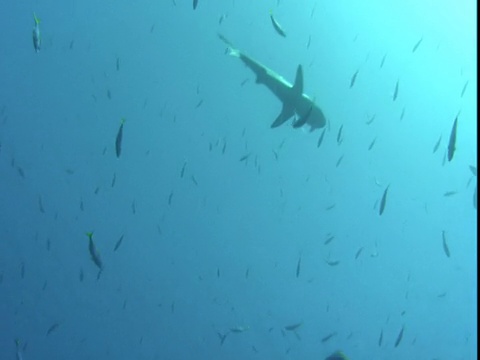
(298, 85)
(287, 113)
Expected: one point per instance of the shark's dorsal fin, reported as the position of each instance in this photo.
(297, 87)
(287, 112)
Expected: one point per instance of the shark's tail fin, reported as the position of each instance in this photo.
(231, 50)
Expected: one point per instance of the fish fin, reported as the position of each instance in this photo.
(36, 19)
(297, 87)
(286, 113)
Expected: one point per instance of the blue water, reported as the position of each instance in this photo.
(215, 252)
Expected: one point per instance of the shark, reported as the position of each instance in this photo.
(295, 103)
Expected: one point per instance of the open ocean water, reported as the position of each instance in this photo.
(149, 210)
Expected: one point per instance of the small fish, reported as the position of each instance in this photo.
(395, 92)
(199, 104)
(399, 337)
(445, 246)
(170, 198)
(245, 157)
(339, 135)
(293, 327)
(464, 89)
(52, 328)
(298, 267)
(437, 144)
(328, 337)
(94, 252)
(371, 144)
(277, 26)
(359, 251)
(329, 240)
(182, 172)
(402, 114)
(119, 242)
(195, 3)
(473, 169)
(117, 64)
(37, 40)
(369, 121)
(303, 119)
(339, 161)
(332, 263)
(18, 352)
(354, 77)
(320, 139)
(222, 337)
(450, 193)
(40, 205)
(239, 329)
(383, 201)
(118, 140)
(114, 179)
(417, 45)
(452, 141)
(218, 272)
(380, 339)
(383, 60)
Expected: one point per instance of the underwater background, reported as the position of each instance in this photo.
(202, 233)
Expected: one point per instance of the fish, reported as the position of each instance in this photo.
(239, 329)
(380, 339)
(37, 39)
(339, 135)
(118, 243)
(182, 172)
(473, 169)
(117, 64)
(222, 337)
(399, 337)
(294, 101)
(337, 355)
(329, 240)
(118, 140)
(354, 77)
(298, 267)
(339, 161)
(332, 263)
(445, 246)
(452, 140)
(293, 327)
(18, 350)
(328, 337)
(383, 61)
(417, 45)
(52, 328)
(276, 25)
(369, 121)
(437, 144)
(303, 119)
(371, 144)
(383, 201)
(245, 157)
(359, 251)
(450, 193)
(320, 139)
(94, 252)
(464, 89)
(195, 3)
(395, 92)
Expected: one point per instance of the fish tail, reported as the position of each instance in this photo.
(36, 19)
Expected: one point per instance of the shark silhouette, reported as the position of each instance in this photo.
(294, 101)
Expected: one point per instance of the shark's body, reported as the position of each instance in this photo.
(294, 101)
